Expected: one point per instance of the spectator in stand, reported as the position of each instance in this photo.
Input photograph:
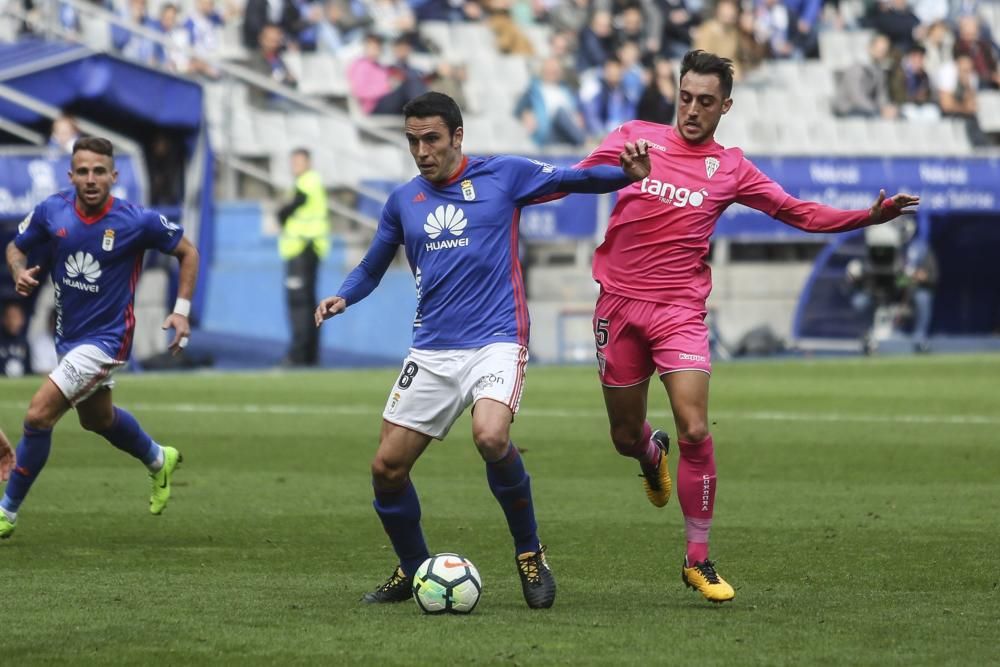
(173, 57)
(380, 89)
(957, 86)
(132, 45)
(771, 27)
(342, 24)
(659, 101)
(895, 19)
(939, 44)
(392, 18)
(64, 134)
(640, 28)
(449, 78)
(307, 29)
(549, 109)
(606, 103)
(204, 35)
(446, 10)
(267, 60)
(863, 88)
(634, 75)
(510, 39)
(721, 34)
(597, 42)
(802, 18)
(679, 21)
(972, 43)
(752, 53)
(562, 47)
(259, 13)
(911, 89)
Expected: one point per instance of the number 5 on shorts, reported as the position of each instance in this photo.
(601, 333)
(409, 372)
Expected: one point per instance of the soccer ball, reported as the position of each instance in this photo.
(447, 583)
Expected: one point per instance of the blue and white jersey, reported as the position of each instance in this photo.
(461, 240)
(96, 263)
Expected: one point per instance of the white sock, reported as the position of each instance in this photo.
(156, 465)
(11, 516)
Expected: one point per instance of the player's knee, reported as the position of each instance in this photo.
(387, 475)
(694, 431)
(492, 444)
(624, 436)
(39, 417)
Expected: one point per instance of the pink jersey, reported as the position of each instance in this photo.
(658, 236)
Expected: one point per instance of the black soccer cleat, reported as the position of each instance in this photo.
(537, 582)
(397, 588)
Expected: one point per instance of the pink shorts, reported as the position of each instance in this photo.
(635, 338)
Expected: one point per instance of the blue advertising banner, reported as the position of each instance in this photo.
(27, 180)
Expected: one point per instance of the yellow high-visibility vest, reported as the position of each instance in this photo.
(308, 223)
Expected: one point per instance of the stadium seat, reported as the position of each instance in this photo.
(989, 110)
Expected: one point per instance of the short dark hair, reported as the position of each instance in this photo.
(304, 152)
(98, 145)
(435, 104)
(702, 62)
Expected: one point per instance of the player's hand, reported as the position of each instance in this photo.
(328, 307)
(26, 282)
(635, 160)
(182, 332)
(7, 458)
(885, 209)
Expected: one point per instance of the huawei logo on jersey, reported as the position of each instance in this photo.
(84, 265)
(446, 218)
(668, 193)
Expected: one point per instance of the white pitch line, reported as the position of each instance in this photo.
(543, 413)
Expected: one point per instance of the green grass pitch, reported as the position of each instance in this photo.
(858, 517)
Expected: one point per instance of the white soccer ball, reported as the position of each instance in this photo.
(447, 583)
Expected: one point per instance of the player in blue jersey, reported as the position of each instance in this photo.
(97, 246)
(458, 221)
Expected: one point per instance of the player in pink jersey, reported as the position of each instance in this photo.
(650, 315)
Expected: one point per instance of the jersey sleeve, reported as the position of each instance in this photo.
(528, 179)
(366, 276)
(758, 191)
(160, 232)
(33, 230)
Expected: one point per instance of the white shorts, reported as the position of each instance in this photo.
(436, 386)
(82, 371)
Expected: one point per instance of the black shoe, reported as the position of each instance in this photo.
(537, 582)
(398, 588)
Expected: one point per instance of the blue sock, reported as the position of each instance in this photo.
(511, 486)
(32, 453)
(126, 434)
(400, 514)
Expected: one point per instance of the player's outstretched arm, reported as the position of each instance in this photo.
(7, 457)
(179, 320)
(25, 279)
(635, 160)
(600, 178)
(885, 209)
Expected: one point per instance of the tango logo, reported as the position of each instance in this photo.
(82, 264)
(668, 193)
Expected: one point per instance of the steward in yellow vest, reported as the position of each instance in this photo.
(304, 241)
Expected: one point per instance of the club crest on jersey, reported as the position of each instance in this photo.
(468, 192)
(108, 243)
(711, 166)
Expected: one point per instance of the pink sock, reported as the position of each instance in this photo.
(644, 449)
(696, 493)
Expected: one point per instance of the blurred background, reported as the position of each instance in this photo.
(205, 100)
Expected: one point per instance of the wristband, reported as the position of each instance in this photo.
(183, 307)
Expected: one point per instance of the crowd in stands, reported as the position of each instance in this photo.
(607, 61)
